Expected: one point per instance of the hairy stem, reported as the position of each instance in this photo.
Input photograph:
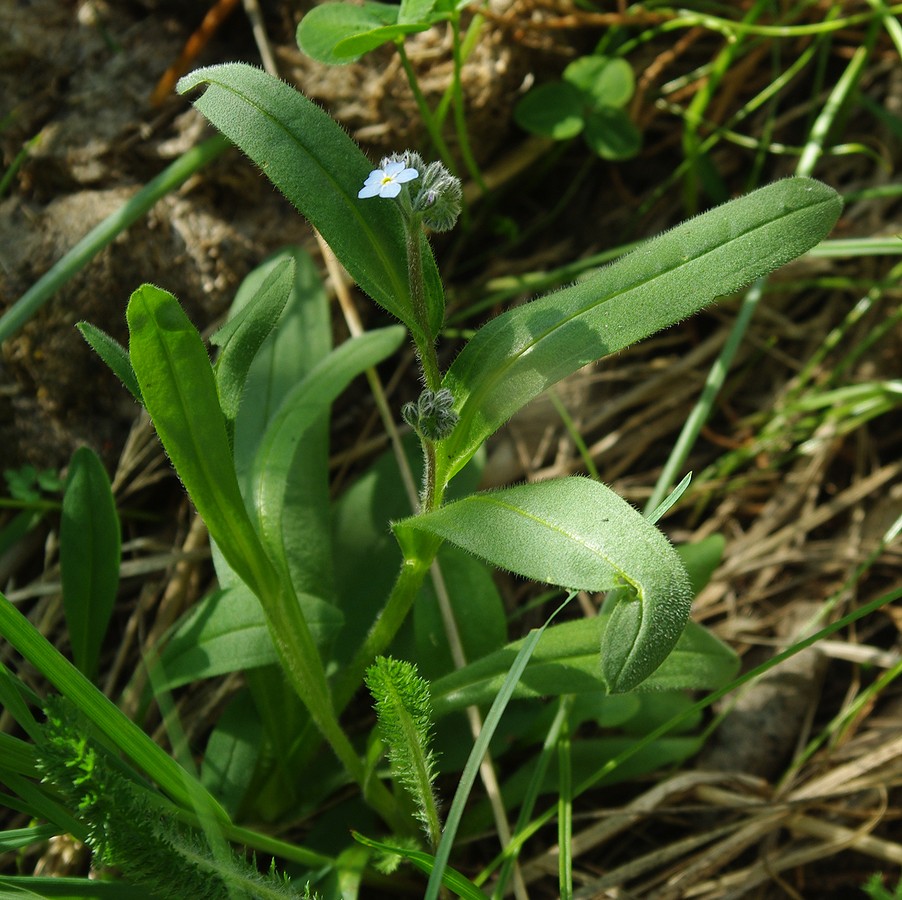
(386, 626)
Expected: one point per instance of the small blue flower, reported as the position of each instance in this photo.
(387, 181)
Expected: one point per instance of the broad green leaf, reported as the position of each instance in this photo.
(525, 350)
(581, 535)
(356, 46)
(554, 110)
(701, 559)
(609, 82)
(304, 406)
(113, 354)
(90, 551)
(326, 25)
(227, 632)
(567, 662)
(611, 133)
(415, 11)
(179, 390)
(310, 158)
(243, 335)
(478, 610)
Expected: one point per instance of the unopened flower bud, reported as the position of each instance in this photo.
(433, 415)
(439, 199)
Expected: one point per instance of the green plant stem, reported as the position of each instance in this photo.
(425, 344)
(301, 662)
(90, 245)
(435, 134)
(386, 626)
(460, 121)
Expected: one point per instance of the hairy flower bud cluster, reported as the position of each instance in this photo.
(433, 415)
(439, 194)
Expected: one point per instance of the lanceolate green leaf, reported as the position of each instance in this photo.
(302, 339)
(522, 352)
(581, 535)
(179, 390)
(301, 409)
(113, 354)
(320, 169)
(227, 632)
(243, 335)
(90, 550)
(566, 661)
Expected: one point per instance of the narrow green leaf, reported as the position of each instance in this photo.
(480, 748)
(581, 535)
(404, 712)
(18, 756)
(525, 350)
(90, 551)
(451, 879)
(567, 662)
(227, 632)
(477, 607)
(179, 390)
(658, 512)
(71, 683)
(21, 887)
(22, 837)
(242, 335)
(113, 354)
(310, 158)
(232, 752)
(302, 408)
(302, 340)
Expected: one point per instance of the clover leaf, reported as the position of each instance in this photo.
(589, 100)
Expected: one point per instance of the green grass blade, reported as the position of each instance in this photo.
(98, 238)
(480, 747)
(111, 721)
